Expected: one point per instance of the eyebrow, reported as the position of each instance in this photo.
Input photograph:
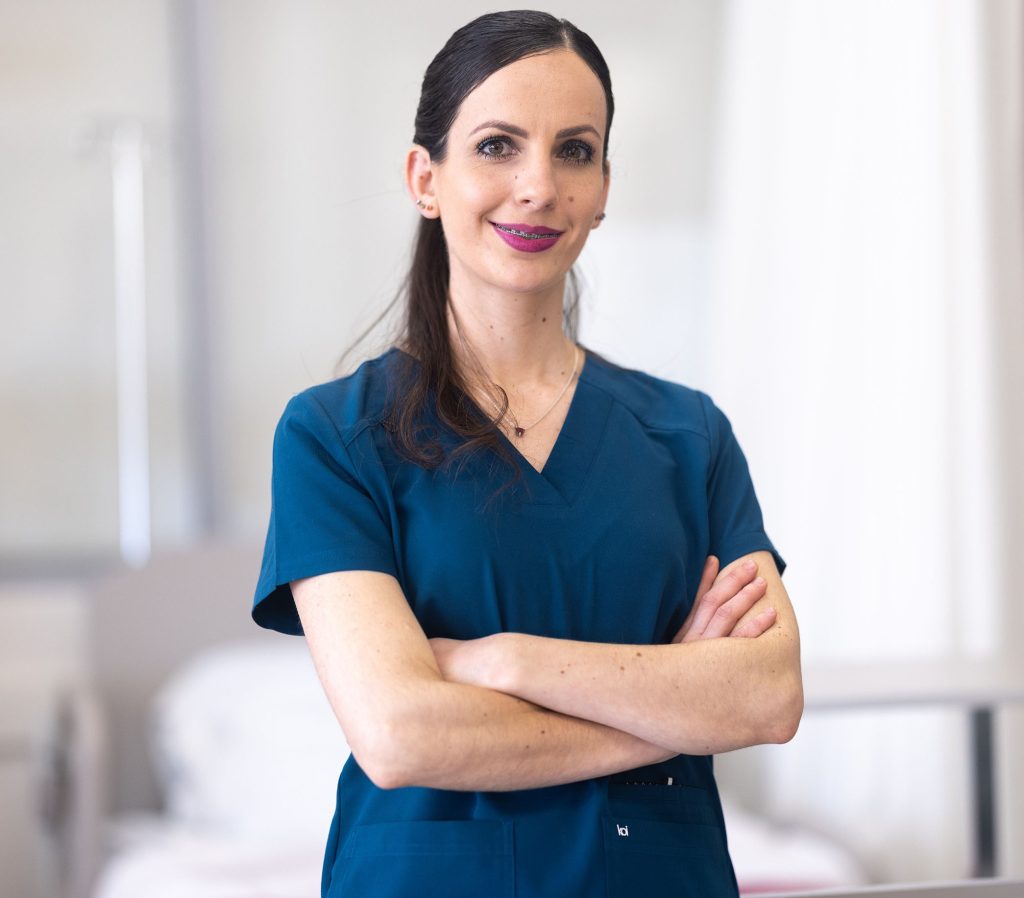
(519, 132)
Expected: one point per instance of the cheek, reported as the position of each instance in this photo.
(477, 197)
(582, 188)
(483, 190)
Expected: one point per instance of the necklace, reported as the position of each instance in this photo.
(520, 430)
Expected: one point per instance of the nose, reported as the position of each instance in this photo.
(535, 184)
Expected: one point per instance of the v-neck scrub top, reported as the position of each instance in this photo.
(605, 544)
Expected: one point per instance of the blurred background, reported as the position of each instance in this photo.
(816, 216)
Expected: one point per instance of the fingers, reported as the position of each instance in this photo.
(707, 580)
(720, 607)
(758, 624)
(711, 596)
(730, 611)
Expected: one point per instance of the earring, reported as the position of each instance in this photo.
(422, 205)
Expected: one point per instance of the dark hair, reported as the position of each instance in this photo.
(425, 371)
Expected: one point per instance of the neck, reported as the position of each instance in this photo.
(516, 338)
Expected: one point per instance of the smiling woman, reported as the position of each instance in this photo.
(532, 675)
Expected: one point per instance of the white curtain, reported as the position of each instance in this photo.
(852, 331)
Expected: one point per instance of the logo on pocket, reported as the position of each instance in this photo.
(623, 830)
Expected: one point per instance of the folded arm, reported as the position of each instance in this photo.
(406, 725)
(697, 697)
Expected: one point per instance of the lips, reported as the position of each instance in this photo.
(527, 238)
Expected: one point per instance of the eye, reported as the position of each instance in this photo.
(491, 147)
(578, 152)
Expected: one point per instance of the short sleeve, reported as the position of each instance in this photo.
(322, 518)
(735, 523)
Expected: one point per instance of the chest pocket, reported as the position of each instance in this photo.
(426, 858)
(665, 840)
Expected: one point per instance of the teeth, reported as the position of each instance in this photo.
(524, 234)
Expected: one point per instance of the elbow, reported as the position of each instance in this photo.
(384, 762)
(395, 750)
(386, 778)
(787, 711)
(376, 765)
(382, 773)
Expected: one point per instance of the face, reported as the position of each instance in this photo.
(524, 158)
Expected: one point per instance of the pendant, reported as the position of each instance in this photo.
(520, 431)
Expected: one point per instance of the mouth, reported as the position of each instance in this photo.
(527, 232)
(527, 238)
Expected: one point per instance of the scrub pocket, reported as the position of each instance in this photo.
(426, 858)
(665, 840)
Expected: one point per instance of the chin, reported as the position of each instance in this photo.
(529, 283)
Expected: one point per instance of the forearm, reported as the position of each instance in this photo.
(470, 738)
(701, 697)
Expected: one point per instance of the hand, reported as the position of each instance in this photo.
(720, 604)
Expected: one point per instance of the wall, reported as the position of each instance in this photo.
(305, 109)
(71, 71)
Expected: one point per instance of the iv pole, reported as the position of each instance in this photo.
(128, 151)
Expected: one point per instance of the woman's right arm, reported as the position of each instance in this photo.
(407, 726)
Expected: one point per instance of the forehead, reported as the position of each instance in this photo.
(549, 90)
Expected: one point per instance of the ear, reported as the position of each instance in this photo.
(604, 196)
(419, 181)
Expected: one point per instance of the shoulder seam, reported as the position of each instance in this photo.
(352, 431)
(701, 397)
(706, 434)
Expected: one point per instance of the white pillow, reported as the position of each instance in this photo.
(244, 741)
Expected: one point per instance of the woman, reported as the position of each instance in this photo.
(531, 692)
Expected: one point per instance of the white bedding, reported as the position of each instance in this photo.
(154, 858)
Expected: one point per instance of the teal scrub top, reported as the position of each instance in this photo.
(605, 544)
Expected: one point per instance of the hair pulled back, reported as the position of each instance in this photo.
(426, 373)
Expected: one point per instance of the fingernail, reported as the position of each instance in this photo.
(759, 581)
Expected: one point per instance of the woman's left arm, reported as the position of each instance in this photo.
(698, 697)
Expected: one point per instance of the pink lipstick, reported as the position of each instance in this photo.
(527, 238)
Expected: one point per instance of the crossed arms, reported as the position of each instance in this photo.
(498, 713)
